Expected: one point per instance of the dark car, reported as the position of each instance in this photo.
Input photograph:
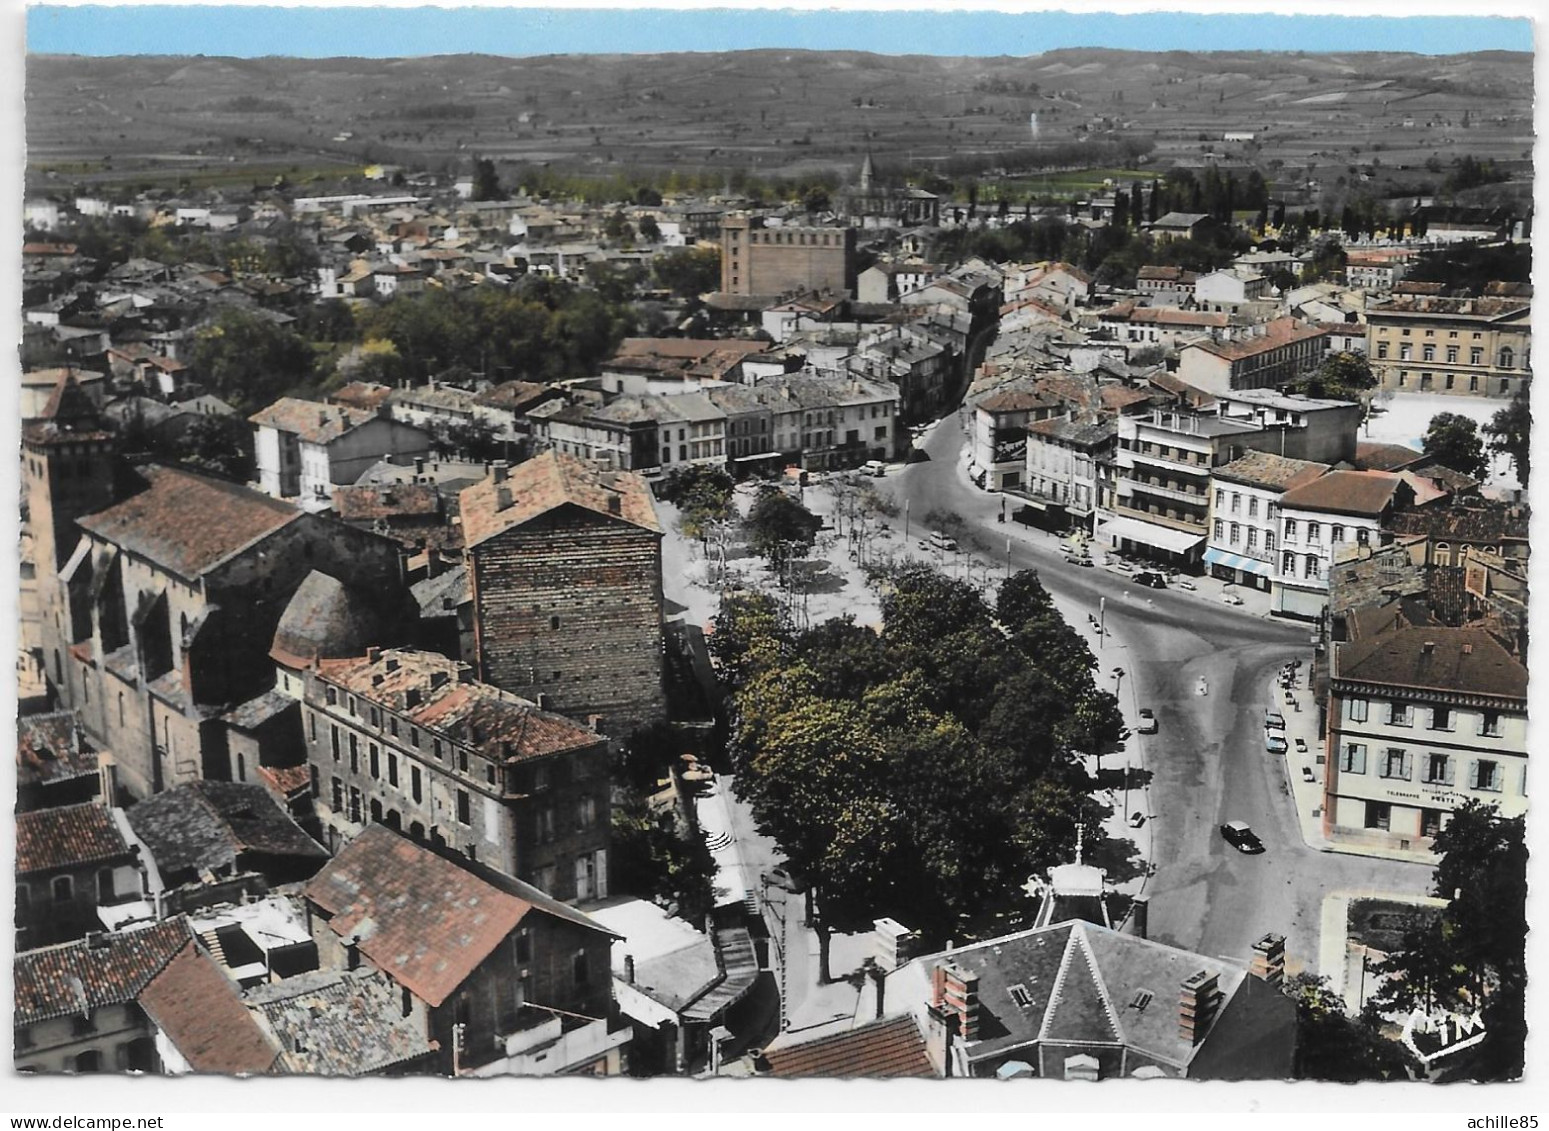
(1151, 580)
(1240, 836)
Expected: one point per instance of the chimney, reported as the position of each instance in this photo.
(955, 991)
(878, 979)
(1468, 649)
(1268, 963)
(615, 503)
(419, 465)
(437, 679)
(1198, 1000)
(1139, 916)
(629, 969)
(322, 416)
(503, 497)
(501, 469)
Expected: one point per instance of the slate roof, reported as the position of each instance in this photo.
(312, 421)
(547, 482)
(1082, 984)
(517, 396)
(200, 1011)
(502, 726)
(73, 836)
(423, 920)
(1016, 401)
(189, 523)
(51, 748)
(1462, 660)
(1085, 434)
(1265, 469)
(890, 1048)
(338, 1023)
(1485, 524)
(1359, 493)
(259, 710)
(208, 824)
(76, 977)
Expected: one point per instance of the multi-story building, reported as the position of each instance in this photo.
(304, 448)
(1465, 346)
(1245, 514)
(408, 739)
(761, 259)
(1310, 428)
(1063, 456)
(750, 437)
(1281, 351)
(168, 607)
(1001, 421)
(1161, 495)
(828, 421)
(565, 569)
(919, 367)
(1320, 518)
(1420, 719)
(1377, 269)
(1229, 288)
(70, 861)
(502, 978)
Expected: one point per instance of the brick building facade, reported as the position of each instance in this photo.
(565, 571)
(764, 260)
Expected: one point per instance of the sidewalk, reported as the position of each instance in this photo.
(1304, 769)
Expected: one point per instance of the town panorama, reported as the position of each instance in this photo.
(775, 564)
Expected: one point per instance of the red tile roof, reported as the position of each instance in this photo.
(419, 918)
(70, 837)
(312, 421)
(200, 1011)
(1016, 401)
(361, 395)
(1362, 493)
(189, 523)
(889, 1048)
(1280, 332)
(51, 748)
(77, 977)
(547, 482)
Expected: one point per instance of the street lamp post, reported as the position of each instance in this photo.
(906, 524)
(1102, 619)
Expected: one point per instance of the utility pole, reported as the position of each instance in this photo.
(906, 524)
(1102, 617)
(1008, 557)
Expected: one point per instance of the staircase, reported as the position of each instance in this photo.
(212, 943)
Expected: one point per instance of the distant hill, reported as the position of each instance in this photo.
(770, 111)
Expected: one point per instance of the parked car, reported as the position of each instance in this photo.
(1151, 580)
(1307, 774)
(1241, 837)
(1301, 746)
(1273, 719)
(1185, 583)
(939, 541)
(1147, 723)
(1231, 598)
(874, 467)
(1274, 743)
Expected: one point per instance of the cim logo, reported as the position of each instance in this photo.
(1442, 1033)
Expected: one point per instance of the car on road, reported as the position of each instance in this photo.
(1274, 743)
(1273, 719)
(1241, 837)
(1307, 774)
(1231, 598)
(1189, 585)
(874, 467)
(1147, 723)
(940, 542)
(780, 876)
(1151, 580)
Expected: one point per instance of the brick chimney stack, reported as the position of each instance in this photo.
(1198, 999)
(1268, 963)
(955, 992)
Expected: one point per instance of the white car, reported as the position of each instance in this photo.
(1231, 599)
(1185, 584)
(1147, 721)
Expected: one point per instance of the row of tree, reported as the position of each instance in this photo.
(925, 771)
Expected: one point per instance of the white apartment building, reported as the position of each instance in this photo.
(1421, 719)
(1245, 515)
(1320, 518)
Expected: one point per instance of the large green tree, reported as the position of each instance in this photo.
(1453, 441)
(688, 272)
(1472, 956)
(249, 361)
(1342, 376)
(1511, 432)
(779, 528)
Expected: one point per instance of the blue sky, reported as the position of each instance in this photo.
(386, 32)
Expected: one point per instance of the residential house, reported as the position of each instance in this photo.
(564, 564)
(341, 1023)
(1277, 353)
(750, 434)
(389, 279)
(1465, 346)
(1165, 326)
(1177, 225)
(831, 421)
(1000, 435)
(75, 1005)
(1166, 286)
(674, 365)
(200, 1023)
(69, 862)
(1245, 514)
(55, 765)
(1064, 458)
(1421, 718)
(1229, 288)
(1321, 517)
(408, 739)
(888, 282)
(1377, 269)
(920, 368)
(505, 979)
(304, 449)
(1079, 1001)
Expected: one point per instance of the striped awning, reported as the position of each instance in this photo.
(1238, 562)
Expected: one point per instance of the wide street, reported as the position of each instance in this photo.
(1208, 758)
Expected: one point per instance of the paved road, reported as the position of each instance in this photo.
(1208, 758)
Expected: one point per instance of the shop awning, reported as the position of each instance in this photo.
(1237, 561)
(1149, 534)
